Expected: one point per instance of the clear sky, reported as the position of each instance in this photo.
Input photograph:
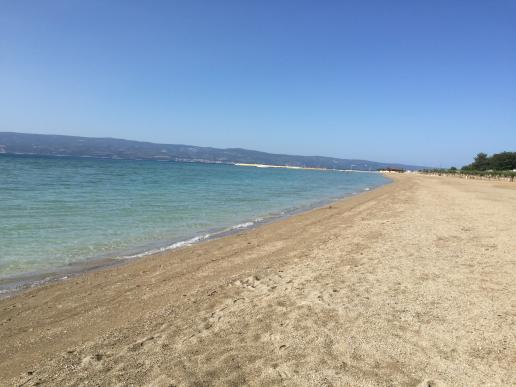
(424, 82)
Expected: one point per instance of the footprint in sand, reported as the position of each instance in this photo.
(140, 344)
(92, 360)
(249, 283)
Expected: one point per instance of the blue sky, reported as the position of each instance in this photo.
(425, 82)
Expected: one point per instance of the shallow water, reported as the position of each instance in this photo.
(55, 212)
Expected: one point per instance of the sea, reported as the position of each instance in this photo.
(60, 215)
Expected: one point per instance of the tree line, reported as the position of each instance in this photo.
(498, 166)
(504, 161)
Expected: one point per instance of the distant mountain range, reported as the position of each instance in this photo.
(112, 148)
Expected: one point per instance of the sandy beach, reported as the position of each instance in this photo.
(411, 284)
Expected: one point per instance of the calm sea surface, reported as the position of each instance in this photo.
(60, 211)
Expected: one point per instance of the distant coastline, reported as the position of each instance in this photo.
(300, 168)
(112, 148)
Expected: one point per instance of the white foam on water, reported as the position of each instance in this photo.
(242, 226)
(191, 241)
(173, 246)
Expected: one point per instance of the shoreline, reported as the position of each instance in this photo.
(12, 285)
(408, 284)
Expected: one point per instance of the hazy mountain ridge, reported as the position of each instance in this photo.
(60, 145)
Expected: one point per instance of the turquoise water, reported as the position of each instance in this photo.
(60, 211)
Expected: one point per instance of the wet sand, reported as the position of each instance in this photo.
(410, 284)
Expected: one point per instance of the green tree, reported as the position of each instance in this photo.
(481, 162)
(504, 161)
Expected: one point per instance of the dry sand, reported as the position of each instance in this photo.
(411, 284)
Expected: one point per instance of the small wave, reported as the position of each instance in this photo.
(186, 242)
(173, 246)
(242, 225)
(190, 241)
